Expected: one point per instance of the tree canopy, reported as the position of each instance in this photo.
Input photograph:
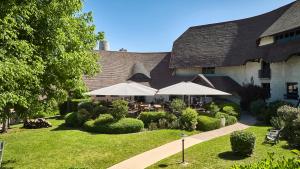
(46, 47)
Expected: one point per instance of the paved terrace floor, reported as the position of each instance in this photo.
(152, 156)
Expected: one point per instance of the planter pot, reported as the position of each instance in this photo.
(223, 122)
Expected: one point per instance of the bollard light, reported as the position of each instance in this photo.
(182, 137)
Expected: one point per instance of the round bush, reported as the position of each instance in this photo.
(206, 123)
(230, 120)
(71, 120)
(148, 117)
(119, 109)
(242, 143)
(104, 118)
(188, 119)
(125, 125)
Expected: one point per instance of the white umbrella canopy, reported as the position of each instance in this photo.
(189, 88)
(124, 89)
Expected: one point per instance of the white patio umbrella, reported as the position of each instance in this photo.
(124, 89)
(190, 88)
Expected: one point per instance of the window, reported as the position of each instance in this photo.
(284, 37)
(292, 91)
(208, 70)
(267, 88)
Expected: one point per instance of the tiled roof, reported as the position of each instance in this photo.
(223, 44)
(288, 21)
(117, 68)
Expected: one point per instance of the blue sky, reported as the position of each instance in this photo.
(153, 25)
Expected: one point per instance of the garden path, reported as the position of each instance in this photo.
(150, 157)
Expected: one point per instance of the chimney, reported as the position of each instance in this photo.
(103, 45)
(123, 50)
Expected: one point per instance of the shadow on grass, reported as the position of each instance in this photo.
(7, 162)
(229, 155)
(168, 165)
(63, 127)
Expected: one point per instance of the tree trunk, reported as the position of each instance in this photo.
(4, 120)
(4, 128)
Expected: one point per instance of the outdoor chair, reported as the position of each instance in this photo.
(273, 136)
(1, 152)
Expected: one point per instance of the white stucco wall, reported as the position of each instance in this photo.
(266, 40)
(241, 74)
(188, 71)
(283, 72)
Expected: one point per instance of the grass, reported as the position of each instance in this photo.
(216, 153)
(61, 147)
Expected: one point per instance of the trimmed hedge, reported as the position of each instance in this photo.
(148, 117)
(242, 142)
(104, 118)
(206, 123)
(71, 120)
(125, 125)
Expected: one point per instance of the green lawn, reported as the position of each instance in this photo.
(61, 147)
(217, 154)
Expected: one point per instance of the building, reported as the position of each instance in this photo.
(263, 50)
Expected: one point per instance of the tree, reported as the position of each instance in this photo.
(46, 48)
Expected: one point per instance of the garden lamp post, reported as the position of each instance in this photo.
(182, 139)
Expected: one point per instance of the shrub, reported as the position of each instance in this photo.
(162, 123)
(206, 123)
(230, 111)
(271, 163)
(148, 117)
(174, 124)
(124, 125)
(71, 120)
(82, 116)
(177, 105)
(104, 118)
(250, 93)
(242, 143)
(188, 119)
(99, 109)
(212, 107)
(290, 117)
(272, 109)
(220, 115)
(236, 107)
(231, 120)
(70, 106)
(277, 123)
(119, 109)
(256, 107)
(88, 106)
(153, 126)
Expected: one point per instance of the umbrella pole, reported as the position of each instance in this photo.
(189, 100)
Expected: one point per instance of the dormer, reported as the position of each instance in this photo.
(139, 73)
